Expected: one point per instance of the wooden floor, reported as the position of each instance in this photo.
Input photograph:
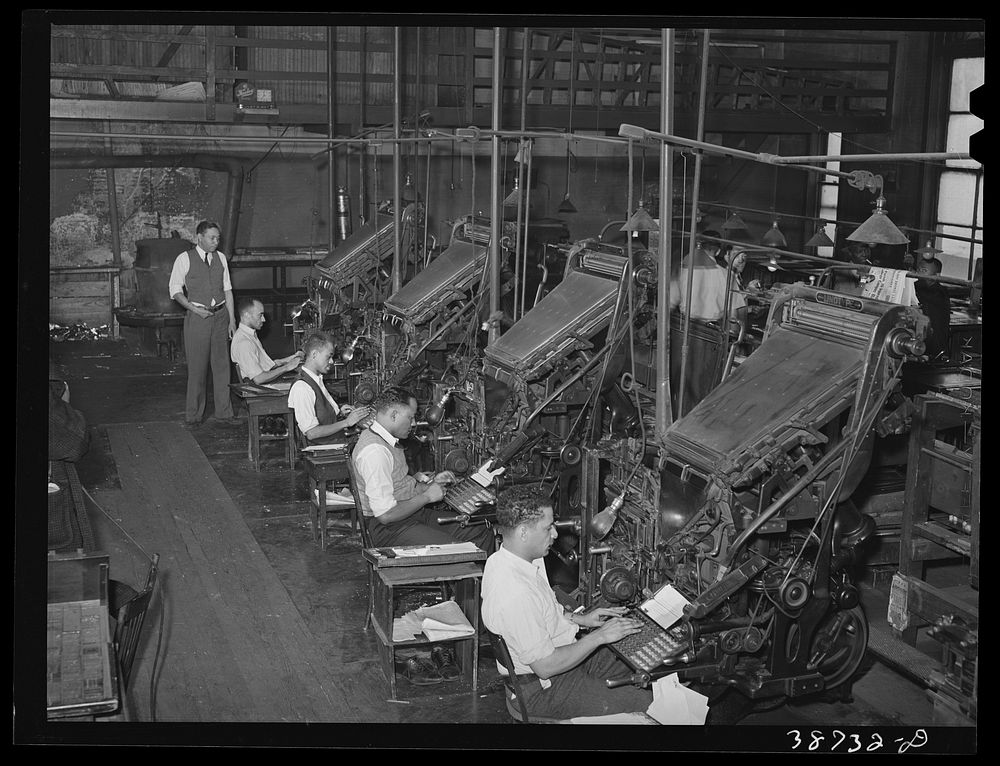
(252, 622)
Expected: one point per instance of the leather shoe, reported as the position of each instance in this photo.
(419, 671)
(444, 659)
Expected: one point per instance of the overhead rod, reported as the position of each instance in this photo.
(770, 214)
(644, 134)
(469, 134)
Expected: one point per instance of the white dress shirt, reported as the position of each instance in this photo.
(248, 353)
(182, 265)
(302, 399)
(520, 605)
(374, 463)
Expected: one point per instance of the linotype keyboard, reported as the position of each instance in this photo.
(648, 648)
(467, 496)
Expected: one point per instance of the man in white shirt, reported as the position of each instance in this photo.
(252, 361)
(560, 674)
(397, 506)
(317, 413)
(707, 304)
(203, 274)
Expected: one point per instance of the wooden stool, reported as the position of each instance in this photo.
(464, 577)
(322, 468)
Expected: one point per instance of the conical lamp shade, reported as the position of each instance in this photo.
(640, 221)
(878, 229)
(566, 206)
(514, 198)
(734, 223)
(819, 239)
(773, 237)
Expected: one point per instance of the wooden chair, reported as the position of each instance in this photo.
(512, 688)
(366, 538)
(129, 609)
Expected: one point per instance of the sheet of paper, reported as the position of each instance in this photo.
(676, 705)
(666, 606)
(279, 386)
(444, 621)
(406, 628)
(336, 498)
(889, 285)
(436, 550)
(323, 447)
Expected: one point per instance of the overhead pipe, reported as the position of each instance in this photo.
(495, 207)
(232, 166)
(702, 98)
(663, 412)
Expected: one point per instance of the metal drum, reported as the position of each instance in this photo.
(154, 259)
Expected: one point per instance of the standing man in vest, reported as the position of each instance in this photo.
(209, 324)
(317, 413)
(395, 504)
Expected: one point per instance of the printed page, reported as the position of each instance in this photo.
(666, 606)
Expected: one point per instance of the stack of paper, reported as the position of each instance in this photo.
(444, 621)
(674, 704)
(344, 497)
(624, 719)
(435, 550)
(406, 628)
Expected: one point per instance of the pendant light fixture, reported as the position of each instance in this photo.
(879, 229)
(820, 239)
(514, 198)
(773, 236)
(567, 206)
(640, 220)
(928, 251)
(734, 226)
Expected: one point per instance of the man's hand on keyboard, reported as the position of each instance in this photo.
(616, 628)
(597, 617)
(444, 477)
(434, 492)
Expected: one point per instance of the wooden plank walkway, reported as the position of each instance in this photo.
(233, 646)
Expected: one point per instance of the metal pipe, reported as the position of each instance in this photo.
(397, 201)
(520, 253)
(330, 129)
(663, 413)
(527, 217)
(113, 224)
(685, 340)
(899, 156)
(495, 208)
(363, 153)
(771, 213)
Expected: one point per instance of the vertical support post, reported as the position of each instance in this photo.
(663, 395)
(397, 201)
(496, 213)
(685, 342)
(210, 73)
(363, 148)
(331, 214)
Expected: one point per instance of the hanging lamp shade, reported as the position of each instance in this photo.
(879, 229)
(408, 193)
(734, 223)
(928, 251)
(566, 206)
(514, 198)
(773, 236)
(819, 239)
(640, 220)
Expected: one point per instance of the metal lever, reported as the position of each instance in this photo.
(641, 678)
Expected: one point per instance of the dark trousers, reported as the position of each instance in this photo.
(581, 691)
(206, 346)
(421, 528)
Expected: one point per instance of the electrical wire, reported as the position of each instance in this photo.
(249, 173)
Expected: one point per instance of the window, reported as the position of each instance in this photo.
(960, 189)
(829, 190)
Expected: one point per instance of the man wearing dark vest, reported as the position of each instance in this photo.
(202, 272)
(397, 505)
(317, 413)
